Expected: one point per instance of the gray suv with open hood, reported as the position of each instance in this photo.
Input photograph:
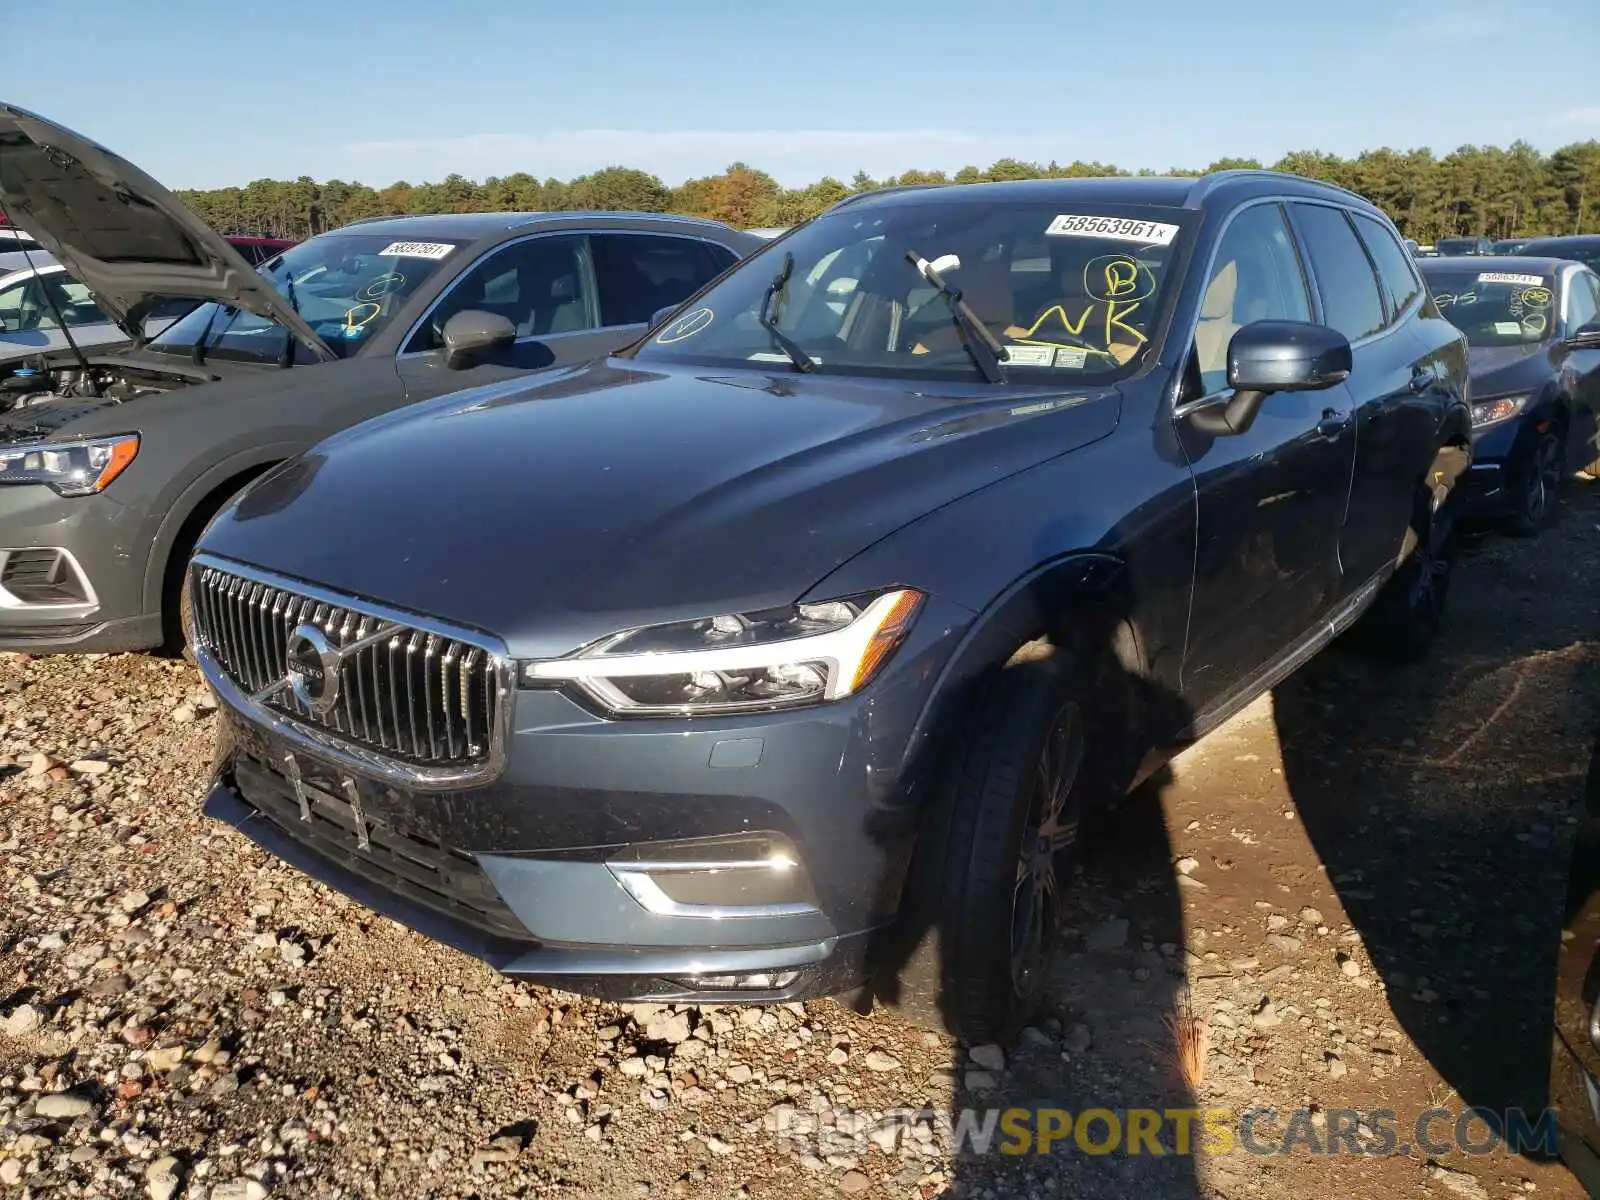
(111, 464)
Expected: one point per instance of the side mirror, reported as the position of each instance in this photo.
(471, 334)
(1275, 356)
(1585, 337)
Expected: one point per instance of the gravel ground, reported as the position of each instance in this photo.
(1353, 886)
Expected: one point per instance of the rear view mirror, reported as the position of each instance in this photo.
(1287, 356)
(1585, 337)
(661, 314)
(1275, 356)
(472, 334)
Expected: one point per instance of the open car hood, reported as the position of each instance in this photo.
(130, 240)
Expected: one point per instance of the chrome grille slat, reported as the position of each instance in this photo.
(414, 696)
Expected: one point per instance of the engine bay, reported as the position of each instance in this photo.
(106, 381)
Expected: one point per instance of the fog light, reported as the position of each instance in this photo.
(761, 981)
(742, 875)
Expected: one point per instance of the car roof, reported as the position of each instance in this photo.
(492, 224)
(1585, 240)
(9, 277)
(1219, 187)
(1510, 263)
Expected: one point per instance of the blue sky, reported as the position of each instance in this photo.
(207, 94)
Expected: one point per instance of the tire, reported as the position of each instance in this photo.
(986, 881)
(185, 620)
(1539, 482)
(1406, 617)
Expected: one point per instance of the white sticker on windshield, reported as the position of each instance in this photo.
(1507, 328)
(1030, 356)
(433, 250)
(1117, 229)
(1508, 277)
(1072, 357)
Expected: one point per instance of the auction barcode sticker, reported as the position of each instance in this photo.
(416, 250)
(1118, 229)
(1508, 277)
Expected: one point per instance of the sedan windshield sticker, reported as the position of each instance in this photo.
(685, 326)
(1117, 229)
(433, 250)
(1071, 357)
(1508, 277)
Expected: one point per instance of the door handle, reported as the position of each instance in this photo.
(1421, 381)
(1333, 422)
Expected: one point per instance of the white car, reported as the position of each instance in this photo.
(19, 251)
(34, 304)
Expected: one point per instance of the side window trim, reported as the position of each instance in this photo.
(1390, 323)
(1398, 311)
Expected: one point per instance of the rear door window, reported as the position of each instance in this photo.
(639, 274)
(1351, 302)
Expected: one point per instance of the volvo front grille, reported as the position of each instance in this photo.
(415, 693)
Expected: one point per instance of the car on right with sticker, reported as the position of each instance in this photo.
(780, 654)
(1533, 335)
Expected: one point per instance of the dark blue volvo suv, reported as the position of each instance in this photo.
(779, 654)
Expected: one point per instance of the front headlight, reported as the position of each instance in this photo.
(71, 468)
(749, 662)
(1501, 408)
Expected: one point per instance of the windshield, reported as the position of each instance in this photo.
(1495, 308)
(347, 286)
(1459, 245)
(1064, 294)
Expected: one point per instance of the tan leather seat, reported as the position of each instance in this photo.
(1217, 325)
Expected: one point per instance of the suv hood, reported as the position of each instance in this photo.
(554, 512)
(125, 236)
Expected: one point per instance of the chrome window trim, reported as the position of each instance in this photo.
(583, 231)
(333, 750)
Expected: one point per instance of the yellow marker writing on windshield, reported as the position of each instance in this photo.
(1122, 277)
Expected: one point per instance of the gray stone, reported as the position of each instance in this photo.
(988, 1056)
(24, 1020)
(1108, 935)
(63, 1106)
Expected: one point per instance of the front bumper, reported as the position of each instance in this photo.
(525, 871)
(99, 562)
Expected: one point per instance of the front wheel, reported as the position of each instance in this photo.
(987, 886)
(1539, 484)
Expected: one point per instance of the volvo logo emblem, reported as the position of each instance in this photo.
(313, 669)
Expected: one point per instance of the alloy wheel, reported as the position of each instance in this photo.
(1544, 479)
(1050, 829)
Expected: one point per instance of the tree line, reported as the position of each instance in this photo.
(1482, 190)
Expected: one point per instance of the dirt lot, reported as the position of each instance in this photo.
(1354, 885)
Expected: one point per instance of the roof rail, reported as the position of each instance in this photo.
(1207, 184)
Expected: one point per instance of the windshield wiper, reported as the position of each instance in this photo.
(801, 360)
(286, 359)
(197, 352)
(974, 333)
